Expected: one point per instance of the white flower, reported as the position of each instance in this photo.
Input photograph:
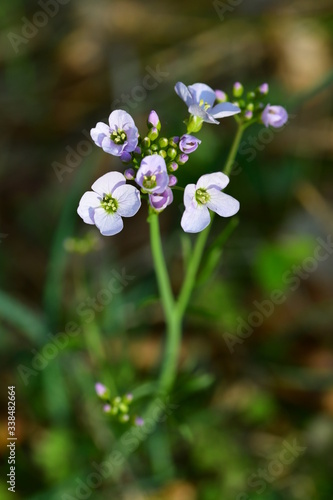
(200, 99)
(204, 196)
(110, 200)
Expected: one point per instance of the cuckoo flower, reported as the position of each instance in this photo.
(200, 99)
(204, 196)
(120, 137)
(188, 143)
(152, 175)
(110, 200)
(274, 116)
(159, 201)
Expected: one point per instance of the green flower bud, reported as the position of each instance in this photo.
(194, 124)
(162, 153)
(145, 143)
(123, 408)
(172, 153)
(251, 96)
(163, 142)
(153, 134)
(124, 418)
(238, 89)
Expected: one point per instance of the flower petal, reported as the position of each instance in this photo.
(110, 147)
(99, 133)
(216, 180)
(195, 220)
(88, 203)
(128, 198)
(197, 110)
(108, 183)
(153, 165)
(201, 91)
(132, 139)
(224, 109)
(183, 92)
(120, 119)
(221, 203)
(108, 224)
(189, 196)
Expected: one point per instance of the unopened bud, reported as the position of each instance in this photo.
(238, 89)
(153, 120)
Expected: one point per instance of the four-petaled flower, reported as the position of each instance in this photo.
(276, 116)
(200, 99)
(204, 196)
(152, 175)
(188, 143)
(110, 200)
(118, 138)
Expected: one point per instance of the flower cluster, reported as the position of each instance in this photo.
(153, 160)
(252, 107)
(118, 406)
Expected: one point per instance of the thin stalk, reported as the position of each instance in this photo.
(233, 151)
(175, 310)
(173, 320)
(191, 273)
(161, 271)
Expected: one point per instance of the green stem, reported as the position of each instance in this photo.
(174, 310)
(162, 275)
(191, 272)
(173, 320)
(233, 151)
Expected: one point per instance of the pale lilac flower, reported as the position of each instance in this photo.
(200, 99)
(159, 201)
(129, 397)
(152, 175)
(276, 116)
(110, 200)
(248, 114)
(188, 143)
(107, 408)
(204, 196)
(100, 389)
(121, 135)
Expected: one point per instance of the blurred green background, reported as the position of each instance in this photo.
(239, 408)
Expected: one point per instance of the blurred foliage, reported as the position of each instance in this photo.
(234, 411)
